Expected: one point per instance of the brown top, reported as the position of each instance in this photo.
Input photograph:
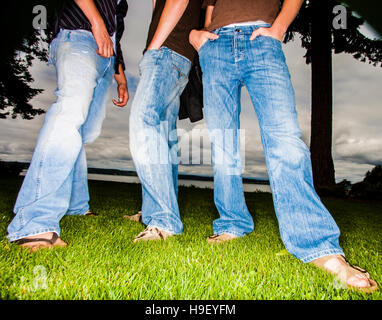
(237, 11)
(178, 39)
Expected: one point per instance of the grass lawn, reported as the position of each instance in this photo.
(101, 261)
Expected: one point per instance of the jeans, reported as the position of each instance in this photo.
(56, 182)
(228, 63)
(153, 136)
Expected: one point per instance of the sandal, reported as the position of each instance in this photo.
(344, 272)
(152, 234)
(219, 238)
(89, 213)
(49, 242)
(135, 217)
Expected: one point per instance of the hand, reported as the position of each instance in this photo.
(272, 32)
(123, 95)
(199, 38)
(102, 38)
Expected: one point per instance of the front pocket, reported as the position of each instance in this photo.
(149, 58)
(203, 45)
(179, 73)
(271, 38)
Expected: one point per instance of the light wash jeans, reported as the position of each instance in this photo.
(56, 181)
(228, 63)
(153, 137)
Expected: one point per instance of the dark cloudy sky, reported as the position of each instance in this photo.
(357, 138)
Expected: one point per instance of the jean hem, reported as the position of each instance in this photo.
(322, 254)
(17, 236)
(163, 229)
(236, 234)
(81, 212)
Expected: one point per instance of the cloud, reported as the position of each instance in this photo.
(357, 113)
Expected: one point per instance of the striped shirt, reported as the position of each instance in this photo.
(112, 12)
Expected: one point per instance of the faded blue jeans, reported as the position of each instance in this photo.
(153, 136)
(56, 182)
(228, 63)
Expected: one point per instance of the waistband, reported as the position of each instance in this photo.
(78, 34)
(231, 30)
(174, 54)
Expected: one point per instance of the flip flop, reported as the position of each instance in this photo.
(89, 213)
(345, 271)
(219, 238)
(136, 217)
(50, 242)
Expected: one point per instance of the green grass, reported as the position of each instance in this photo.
(101, 261)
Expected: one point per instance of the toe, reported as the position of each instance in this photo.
(359, 281)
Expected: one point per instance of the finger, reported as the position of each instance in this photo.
(111, 51)
(256, 33)
(120, 104)
(212, 36)
(101, 51)
(107, 51)
(117, 103)
(124, 99)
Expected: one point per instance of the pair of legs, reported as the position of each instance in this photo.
(153, 136)
(306, 227)
(56, 181)
(228, 63)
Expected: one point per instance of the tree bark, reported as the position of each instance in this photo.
(322, 95)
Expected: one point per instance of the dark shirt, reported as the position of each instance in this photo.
(178, 39)
(227, 12)
(71, 17)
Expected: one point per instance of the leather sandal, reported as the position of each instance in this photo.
(135, 217)
(219, 238)
(344, 271)
(89, 213)
(49, 242)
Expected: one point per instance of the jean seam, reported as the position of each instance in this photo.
(16, 236)
(164, 229)
(237, 234)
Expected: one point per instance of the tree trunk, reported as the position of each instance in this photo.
(322, 95)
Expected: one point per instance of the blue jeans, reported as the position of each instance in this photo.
(153, 136)
(228, 63)
(56, 181)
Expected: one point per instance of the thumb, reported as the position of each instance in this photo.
(256, 33)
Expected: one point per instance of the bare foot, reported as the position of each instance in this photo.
(350, 276)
